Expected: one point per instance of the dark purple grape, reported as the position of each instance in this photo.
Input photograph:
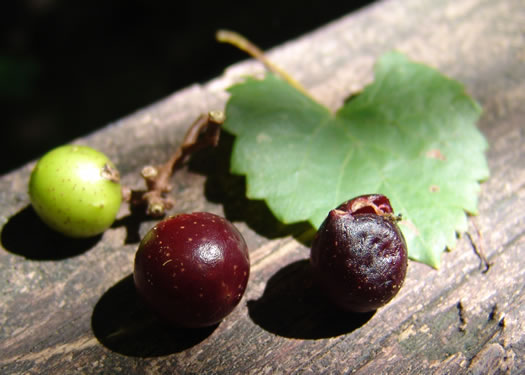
(192, 269)
(359, 254)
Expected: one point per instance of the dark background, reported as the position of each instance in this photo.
(68, 67)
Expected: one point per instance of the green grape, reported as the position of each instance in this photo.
(76, 191)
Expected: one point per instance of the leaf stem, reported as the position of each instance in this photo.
(237, 40)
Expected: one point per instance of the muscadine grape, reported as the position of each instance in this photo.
(75, 190)
(192, 269)
(359, 254)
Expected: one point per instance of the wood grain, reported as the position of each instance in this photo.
(69, 307)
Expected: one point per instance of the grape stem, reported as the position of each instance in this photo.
(204, 132)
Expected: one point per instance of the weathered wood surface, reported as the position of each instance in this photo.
(69, 307)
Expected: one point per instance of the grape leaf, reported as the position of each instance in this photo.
(409, 135)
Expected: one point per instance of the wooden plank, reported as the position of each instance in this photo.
(69, 306)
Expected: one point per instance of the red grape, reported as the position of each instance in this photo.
(192, 269)
(359, 254)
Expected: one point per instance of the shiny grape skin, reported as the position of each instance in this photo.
(359, 256)
(192, 269)
(76, 191)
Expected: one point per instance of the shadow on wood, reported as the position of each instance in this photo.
(124, 325)
(292, 306)
(230, 190)
(25, 234)
(133, 221)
